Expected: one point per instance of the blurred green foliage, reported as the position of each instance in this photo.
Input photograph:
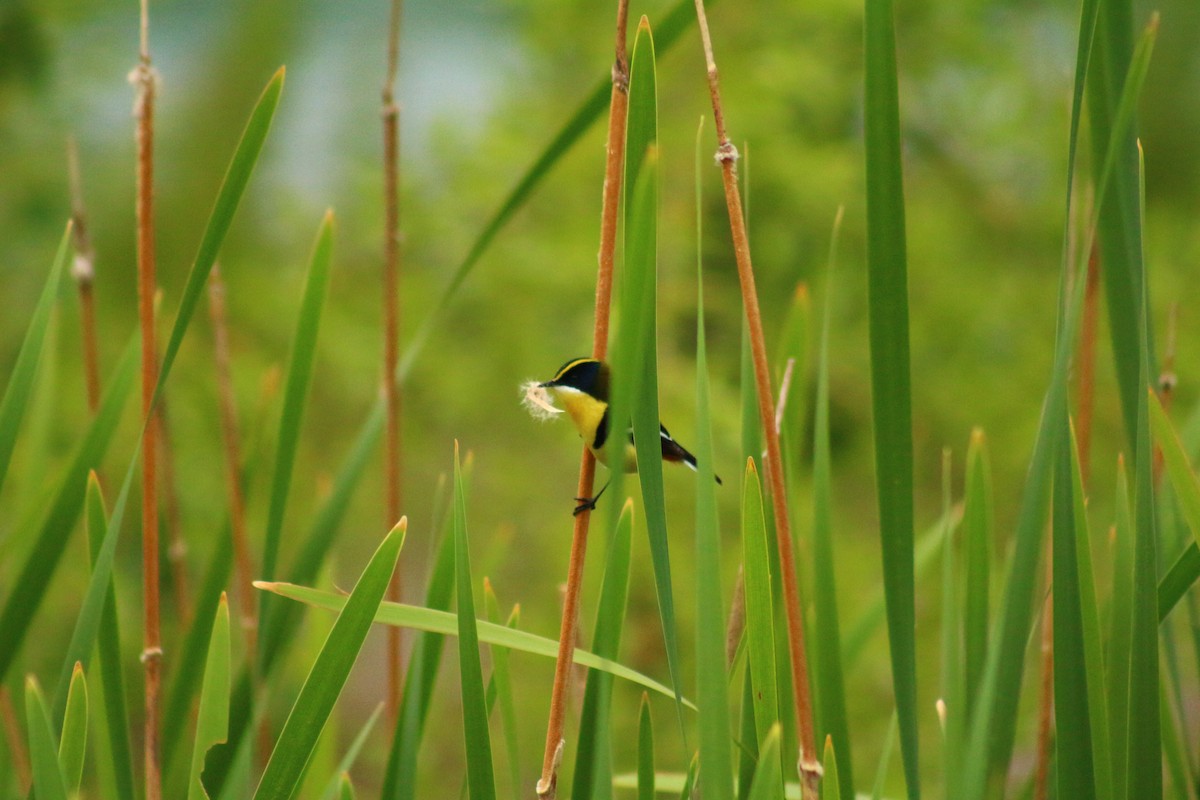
(984, 102)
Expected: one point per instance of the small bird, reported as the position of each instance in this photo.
(581, 387)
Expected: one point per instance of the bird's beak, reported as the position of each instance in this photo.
(546, 385)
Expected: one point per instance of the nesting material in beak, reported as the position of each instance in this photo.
(536, 400)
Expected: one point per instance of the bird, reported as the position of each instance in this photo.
(581, 386)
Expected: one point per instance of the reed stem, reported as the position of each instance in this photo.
(614, 165)
(810, 759)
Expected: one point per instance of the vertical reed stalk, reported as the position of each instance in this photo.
(83, 269)
(614, 165)
(233, 462)
(810, 759)
(143, 79)
(391, 331)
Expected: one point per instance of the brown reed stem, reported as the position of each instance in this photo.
(16, 742)
(83, 269)
(614, 164)
(810, 760)
(143, 79)
(391, 333)
(233, 460)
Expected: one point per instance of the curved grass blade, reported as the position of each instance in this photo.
(445, 623)
(325, 680)
(212, 720)
(48, 781)
(830, 687)
(645, 752)
(29, 587)
(1181, 577)
(480, 775)
(593, 753)
(711, 679)
(72, 747)
(21, 379)
(891, 391)
(341, 776)
(1120, 626)
(299, 375)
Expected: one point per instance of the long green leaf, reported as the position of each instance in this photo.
(1120, 629)
(29, 587)
(977, 542)
(760, 616)
(1183, 479)
(299, 375)
(212, 719)
(1073, 740)
(502, 681)
(1182, 576)
(645, 752)
(830, 684)
(480, 776)
(72, 746)
(21, 379)
(446, 623)
(768, 779)
(831, 784)
(593, 753)
(108, 651)
(333, 788)
(48, 781)
(951, 706)
(711, 679)
(887, 284)
(296, 741)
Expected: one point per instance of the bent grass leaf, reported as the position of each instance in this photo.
(212, 719)
(48, 781)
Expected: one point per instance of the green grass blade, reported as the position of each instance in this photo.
(1181, 577)
(711, 679)
(193, 652)
(480, 777)
(593, 753)
(212, 719)
(950, 698)
(299, 375)
(885, 758)
(329, 672)
(645, 752)
(445, 623)
(340, 777)
(21, 379)
(72, 747)
(887, 283)
(747, 745)
(108, 652)
(760, 616)
(768, 779)
(48, 781)
(502, 680)
(1073, 740)
(977, 542)
(1093, 644)
(830, 687)
(831, 784)
(1120, 628)
(233, 186)
(29, 587)
(636, 364)
(401, 772)
(345, 788)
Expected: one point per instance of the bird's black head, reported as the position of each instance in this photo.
(585, 374)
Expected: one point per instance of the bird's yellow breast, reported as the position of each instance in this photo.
(586, 412)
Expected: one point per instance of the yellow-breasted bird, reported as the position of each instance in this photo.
(581, 387)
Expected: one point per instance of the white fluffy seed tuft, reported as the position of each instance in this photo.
(536, 400)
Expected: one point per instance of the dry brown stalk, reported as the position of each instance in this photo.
(16, 742)
(233, 460)
(391, 332)
(83, 269)
(809, 761)
(614, 164)
(143, 79)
